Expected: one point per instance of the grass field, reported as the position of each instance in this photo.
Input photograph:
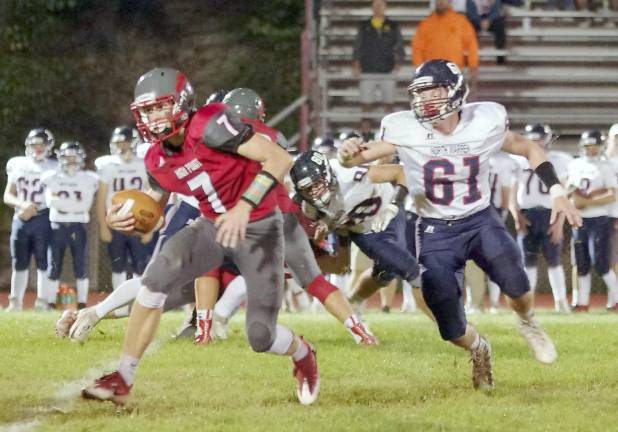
(412, 382)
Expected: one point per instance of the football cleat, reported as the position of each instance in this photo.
(482, 375)
(111, 387)
(540, 344)
(41, 305)
(362, 334)
(86, 320)
(580, 308)
(14, 305)
(202, 332)
(64, 323)
(307, 376)
(220, 328)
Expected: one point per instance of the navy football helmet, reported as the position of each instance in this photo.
(432, 74)
(589, 139)
(313, 178)
(71, 156)
(39, 136)
(124, 142)
(540, 133)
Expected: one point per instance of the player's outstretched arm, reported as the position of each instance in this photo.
(515, 143)
(354, 151)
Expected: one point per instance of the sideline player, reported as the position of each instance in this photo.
(592, 183)
(69, 194)
(444, 145)
(30, 229)
(232, 171)
(531, 209)
(121, 170)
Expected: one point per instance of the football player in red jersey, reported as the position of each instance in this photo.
(232, 171)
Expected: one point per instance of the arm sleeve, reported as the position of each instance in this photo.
(155, 185)
(470, 44)
(225, 131)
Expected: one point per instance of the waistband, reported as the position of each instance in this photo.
(452, 222)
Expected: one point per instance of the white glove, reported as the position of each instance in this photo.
(380, 223)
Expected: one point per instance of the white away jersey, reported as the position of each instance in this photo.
(25, 173)
(531, 191)
(70, 197)
(502, 170)
(451, 171)
(588, 175)
(119, 175)
(357, 202)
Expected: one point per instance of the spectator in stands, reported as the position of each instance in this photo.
(378, 52)
(448, 35)
(487, 16)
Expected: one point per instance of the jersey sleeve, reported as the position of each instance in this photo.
(224, 130)
(610, 176)
(10, 170)
(47, 176)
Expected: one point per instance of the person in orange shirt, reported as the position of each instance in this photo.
(446, 34)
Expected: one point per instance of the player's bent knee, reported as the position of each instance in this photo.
(511, 279)
(382, 276)
(260, 336)
(150, 299)
(450, 318)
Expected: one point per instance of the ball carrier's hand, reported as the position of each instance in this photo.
(232, 226)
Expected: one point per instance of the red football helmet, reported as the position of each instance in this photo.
(164, 101)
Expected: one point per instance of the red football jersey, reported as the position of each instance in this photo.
(286, 205)
(207, 165)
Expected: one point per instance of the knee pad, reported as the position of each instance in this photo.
(260, 337)
(320, 288)
(149, 299)
(509, 275)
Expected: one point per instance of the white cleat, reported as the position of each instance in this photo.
(86, 320)
(65, 322)
(41, 305)
(220, 327)
(540, 344)
(14, 305)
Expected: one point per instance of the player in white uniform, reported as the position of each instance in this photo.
(69, 194)
(531, 208)
(592, 183)
(121, 170)
(445, 146)
(360, 203)
(30, 230)
(501, 174)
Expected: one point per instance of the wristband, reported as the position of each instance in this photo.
(547, 174)
(401, 192)
(557, 191)
(263, 183)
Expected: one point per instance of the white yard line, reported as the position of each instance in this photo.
(68, 393)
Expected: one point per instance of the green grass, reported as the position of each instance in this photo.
(413, 381)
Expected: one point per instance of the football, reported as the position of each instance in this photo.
(146, 211)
